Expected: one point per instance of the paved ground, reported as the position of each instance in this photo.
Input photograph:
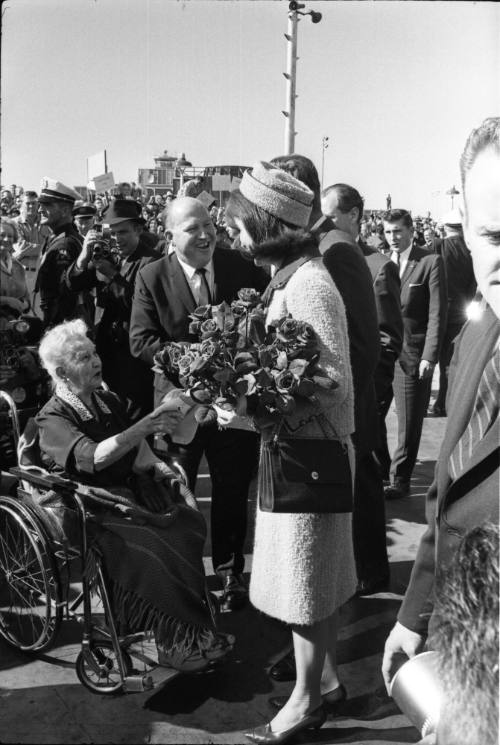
(42, 701)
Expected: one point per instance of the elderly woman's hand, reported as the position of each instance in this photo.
(165, 418)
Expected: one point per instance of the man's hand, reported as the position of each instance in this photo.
(400, 641)
(86, 252)
(106, 268)
(425, 369)
(12, 302)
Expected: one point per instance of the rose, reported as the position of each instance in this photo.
(244, 362)
(201, 313)
(238, 309)
(287, 329)
(185, 361)
(209, 348)
(286, 382)
(249, 296)
(209, 329)
(306, 334)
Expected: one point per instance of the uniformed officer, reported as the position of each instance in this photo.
(84, 216)
(58, 301)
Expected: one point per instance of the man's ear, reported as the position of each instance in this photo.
(169, 236)
(60, 372)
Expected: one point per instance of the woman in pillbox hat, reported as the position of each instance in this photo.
(303, 564)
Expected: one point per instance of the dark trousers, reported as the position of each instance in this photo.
(383, 391)
(368, 520)
(411, 396)
(452, 331)
(232, 457)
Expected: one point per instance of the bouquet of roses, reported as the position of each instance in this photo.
(239, 365)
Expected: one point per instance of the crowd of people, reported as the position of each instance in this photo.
(387, 296)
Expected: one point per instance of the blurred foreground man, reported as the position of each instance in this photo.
(166, 293)
(466, 485)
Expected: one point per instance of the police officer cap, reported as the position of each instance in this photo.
(55, 191)
(84, 209)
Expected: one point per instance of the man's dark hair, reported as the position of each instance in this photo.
(397, 215)
(31, 194)
(347, 198)
(486, 135)
(466, 639)
(304, 170)
(273, 238)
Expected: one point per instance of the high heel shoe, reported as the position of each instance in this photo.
(265, 735)
(331, 699)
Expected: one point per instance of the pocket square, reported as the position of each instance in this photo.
(416, 284)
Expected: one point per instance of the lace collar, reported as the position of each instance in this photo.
(67, 395)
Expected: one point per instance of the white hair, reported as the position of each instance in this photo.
(58, 343)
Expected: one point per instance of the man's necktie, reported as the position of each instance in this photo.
(205, 296)
(484, 414)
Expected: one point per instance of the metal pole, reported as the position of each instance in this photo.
(291, 72)
(322, 163)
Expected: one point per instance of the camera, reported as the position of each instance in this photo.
(103, 248)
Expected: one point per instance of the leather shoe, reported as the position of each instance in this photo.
(314, 720)
(235, 593)
(396, 491)
(331, 699)
(284, 669)
(372, 585)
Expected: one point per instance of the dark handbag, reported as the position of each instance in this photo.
(304, 475)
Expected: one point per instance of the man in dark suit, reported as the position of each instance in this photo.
(109, 264)
(461, 286)
(344, 205)
(466, 484)
(423, 304)
(166, 292)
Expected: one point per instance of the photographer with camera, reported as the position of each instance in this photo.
(109, 261)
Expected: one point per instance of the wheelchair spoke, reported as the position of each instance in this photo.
(30, 613)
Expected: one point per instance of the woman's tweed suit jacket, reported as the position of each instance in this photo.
(303, 564)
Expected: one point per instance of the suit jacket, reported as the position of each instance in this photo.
(453, 508)
(163, 299)
(460, 279)
(57, 300)
(423, 304)
(351, 275)
(387, 289)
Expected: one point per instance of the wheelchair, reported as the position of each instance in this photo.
(39, 562)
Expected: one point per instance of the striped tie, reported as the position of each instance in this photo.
(484, 414)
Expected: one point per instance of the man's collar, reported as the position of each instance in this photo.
(190, 271)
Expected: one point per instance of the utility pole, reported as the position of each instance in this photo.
(294, 11)
(325, 142)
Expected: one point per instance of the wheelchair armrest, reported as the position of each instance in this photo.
(39, 477)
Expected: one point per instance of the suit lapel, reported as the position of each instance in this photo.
(410, 265)
(180, 284)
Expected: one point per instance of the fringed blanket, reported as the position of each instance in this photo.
(154, 566)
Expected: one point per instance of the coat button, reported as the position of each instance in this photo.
(315, 475)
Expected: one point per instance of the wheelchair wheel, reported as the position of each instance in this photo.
(30, 609)
(98, 669)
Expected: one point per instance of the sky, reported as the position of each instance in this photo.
(395, 86)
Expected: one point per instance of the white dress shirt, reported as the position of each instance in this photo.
(194, 279)
(403, 259)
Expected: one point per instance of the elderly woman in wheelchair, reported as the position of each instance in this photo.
(144, 528)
